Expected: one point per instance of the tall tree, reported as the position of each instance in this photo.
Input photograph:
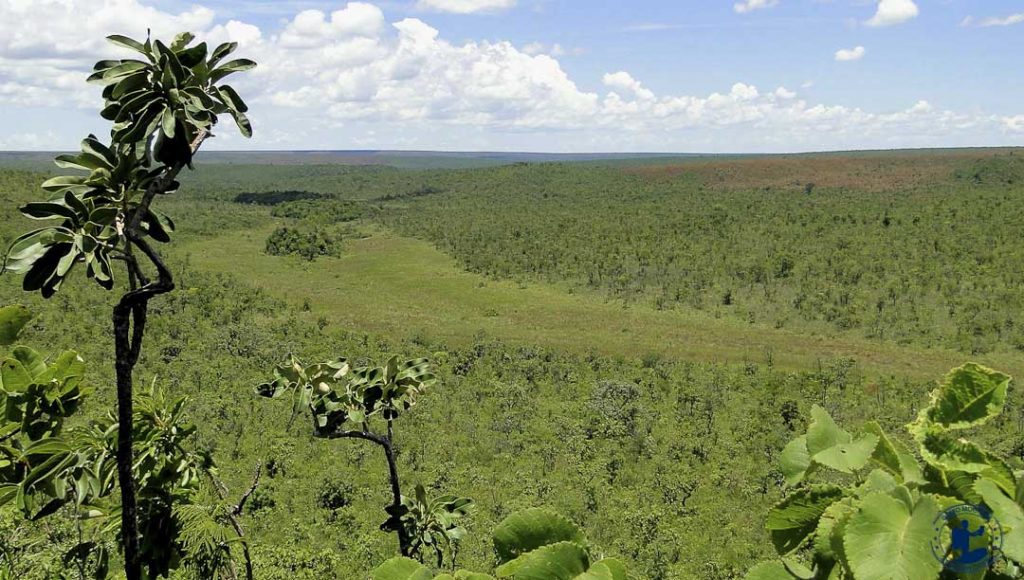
(163, 106)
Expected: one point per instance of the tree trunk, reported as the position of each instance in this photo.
(125, 411)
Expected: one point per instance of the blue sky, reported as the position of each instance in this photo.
(555, 75)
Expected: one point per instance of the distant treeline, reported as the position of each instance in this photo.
(276, 197)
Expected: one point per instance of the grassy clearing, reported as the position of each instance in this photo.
(397, 286)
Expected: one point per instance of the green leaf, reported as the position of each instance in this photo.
(530, 529)
(126, 42)
(558, 561)
(229, 67)
(12, 319)
(848, 457)
(969, 396)
(887, 541)
(401, 568)
(1009, 514)
(230, 98)
(894, 457)
(823, 432)
(244, 126)
(828, 538)
(795, 461)
(941, 449)
(222, 51)
(33, 362)
(795, 518)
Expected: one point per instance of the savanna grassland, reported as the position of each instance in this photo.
(629, 342)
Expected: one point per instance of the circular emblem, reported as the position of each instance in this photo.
(968, 538)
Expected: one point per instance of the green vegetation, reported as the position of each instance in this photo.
(885, 248)
(631, 344)
(882, 523)
(162, 110)
(309, 244)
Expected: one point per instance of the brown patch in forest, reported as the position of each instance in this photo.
(869, 172)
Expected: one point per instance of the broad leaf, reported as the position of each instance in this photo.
(795, 518)
(969, 396)
(530, 529)
(1009, 514)
(885, 540)
(795, 461)
(401, 568)
(559, 561)
(894, 457)
(848, 457)
(823, 432)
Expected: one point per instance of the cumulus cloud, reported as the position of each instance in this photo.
(850, 54)
(994, 20)
(892, 12)
(784, 93)
(623, 82)
(465, 6)
(349, 78)
(750, 5)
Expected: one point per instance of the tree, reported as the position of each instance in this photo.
(163, 107)
(344, 401)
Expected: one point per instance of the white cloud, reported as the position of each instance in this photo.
(850, 54)
(750, 5)
(993, 20)
(1015, 124)
(892, 12)
(624, 83)
(784, 93)
(465, 6)
(350, 79)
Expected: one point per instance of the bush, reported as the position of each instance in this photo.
(309, 244)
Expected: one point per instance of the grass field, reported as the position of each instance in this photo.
(388, 284)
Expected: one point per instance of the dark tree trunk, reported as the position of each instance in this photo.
(394, 509)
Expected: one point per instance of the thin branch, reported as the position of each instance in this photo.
(236, 510)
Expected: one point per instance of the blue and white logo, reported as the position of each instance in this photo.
(968, 538)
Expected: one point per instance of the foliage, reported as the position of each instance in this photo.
(881, 525)
(273, 198)
(162, 109)
(309, 244)
(433, 524)
(341, 397)
(889, 247)
(535, 544)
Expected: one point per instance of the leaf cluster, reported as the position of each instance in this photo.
(881, 524)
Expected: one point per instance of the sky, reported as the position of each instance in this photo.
(715, 76)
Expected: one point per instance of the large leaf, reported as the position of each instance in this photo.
(795, 518)
(533, 528)
(949, 453)
(823, 432)
(401, 568)
(969, 396)
(12, 319)
(848, 457)
(559, 561)
(894, 457)
(1008, 513)
(828, 538)
(885, 540)
(795, 461)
